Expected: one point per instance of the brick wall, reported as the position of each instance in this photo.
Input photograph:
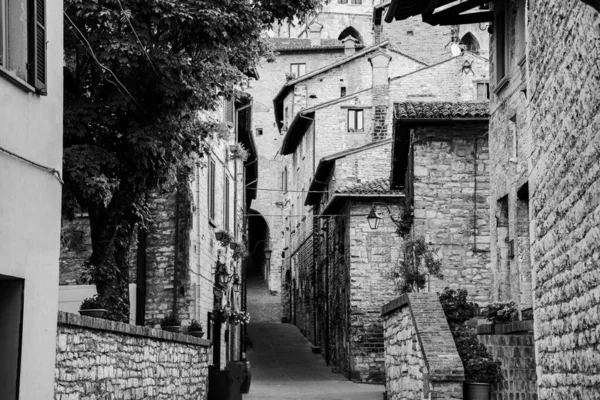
(516, 354)
(95, 357)
(421, 359)
(451, 188)
(563, 68)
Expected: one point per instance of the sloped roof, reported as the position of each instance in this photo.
(441, 110)
(377, 186)
(297, 44)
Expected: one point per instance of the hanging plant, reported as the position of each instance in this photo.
(240, 317)
(224, 237)
(418, 261)
(223, 314)
(240, 252)
(237, 151)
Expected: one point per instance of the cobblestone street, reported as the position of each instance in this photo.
(283, 366)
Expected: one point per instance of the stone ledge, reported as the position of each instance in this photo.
(80, 321)
(394, 305)
(511, 328)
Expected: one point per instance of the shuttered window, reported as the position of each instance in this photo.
(226, 205)
(23, 41)
(211, 190)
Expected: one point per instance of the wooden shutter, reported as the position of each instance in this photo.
(226, 205)
(37, 48)
(211, 190)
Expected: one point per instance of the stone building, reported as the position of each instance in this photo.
(341, 109)
(543, 176)
(304, 48)
(175, 265)
(31, 134)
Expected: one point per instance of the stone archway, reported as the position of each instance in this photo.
(351, 31)
(258, 241)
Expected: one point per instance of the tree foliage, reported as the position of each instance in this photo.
(417, 262)
(137, 72)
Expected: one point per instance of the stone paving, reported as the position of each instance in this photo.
(283, 366)
(262, 305)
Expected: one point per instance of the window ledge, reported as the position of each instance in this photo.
(522, 60)
(501, 85)
(17, 81)
(211, 222)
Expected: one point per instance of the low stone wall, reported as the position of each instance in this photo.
(100, 359)
(421, 359)
(513, 345)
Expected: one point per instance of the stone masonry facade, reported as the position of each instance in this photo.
(451, 189)
(420, 356)
(563, 59)
(99, 359)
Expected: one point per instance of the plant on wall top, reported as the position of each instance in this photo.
(170, 320)
(418, 261)
(195, 326)
(501, 312)
(92, 303)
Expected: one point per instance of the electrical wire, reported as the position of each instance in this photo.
(90, 50)
(53, 171)
(291, 191)
(138, 38)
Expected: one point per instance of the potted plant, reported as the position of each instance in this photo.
(240, 317)
(247, 381)
(238, 151)
(171, 323)
(93, 307)
(240, 252)
(195, 329)
(224, 237)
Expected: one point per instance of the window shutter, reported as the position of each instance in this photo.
(37, 55)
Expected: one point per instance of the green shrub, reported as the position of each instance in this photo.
(170, 320)
(456, 307)
(501, 312)
(92, 303)
(195, 326)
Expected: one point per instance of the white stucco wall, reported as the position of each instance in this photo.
(30, 201)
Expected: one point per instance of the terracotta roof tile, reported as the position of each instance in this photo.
(377, 186)
(441, 110)
(283, 44)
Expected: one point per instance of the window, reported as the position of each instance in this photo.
(228, 110)
(286, 117)
(211, 190)
(500, 33)
(298, 70)
(259, 131)
(355, 121)
(11, 314)
(483, 91)
(226, 205)
(284, 180)
(512, 130)
(470, 43)
(23, 41)
(343, 92)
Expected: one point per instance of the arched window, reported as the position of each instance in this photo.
(350, 31)
(470, 43)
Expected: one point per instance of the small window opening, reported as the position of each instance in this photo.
(343, 91)
(259, 131)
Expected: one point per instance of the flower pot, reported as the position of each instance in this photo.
(245, 388)
(197, 334)
(219, 235)
(171, 328)
(478, 391)
(93, 312)
(233, 245)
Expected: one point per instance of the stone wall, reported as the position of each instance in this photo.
(516, 353)
(100, 359)
(451, 188)
(421, 360)
(563, 68)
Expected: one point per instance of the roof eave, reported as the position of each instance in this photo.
(289, 146)
(336, 198)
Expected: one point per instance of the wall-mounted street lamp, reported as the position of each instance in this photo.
(222, 276)
(374, 217)
(268, 253)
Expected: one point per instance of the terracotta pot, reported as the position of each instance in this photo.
(478, 391)
(197, 334)
(93, 312)
(245, 388)
(171, 328)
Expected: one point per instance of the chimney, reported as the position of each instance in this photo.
(315, 34)
(349, 45)
(382, 120)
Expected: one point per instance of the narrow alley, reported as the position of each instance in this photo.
(283, 366)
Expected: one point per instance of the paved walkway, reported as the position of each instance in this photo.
(284, 368)
(262, 305)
